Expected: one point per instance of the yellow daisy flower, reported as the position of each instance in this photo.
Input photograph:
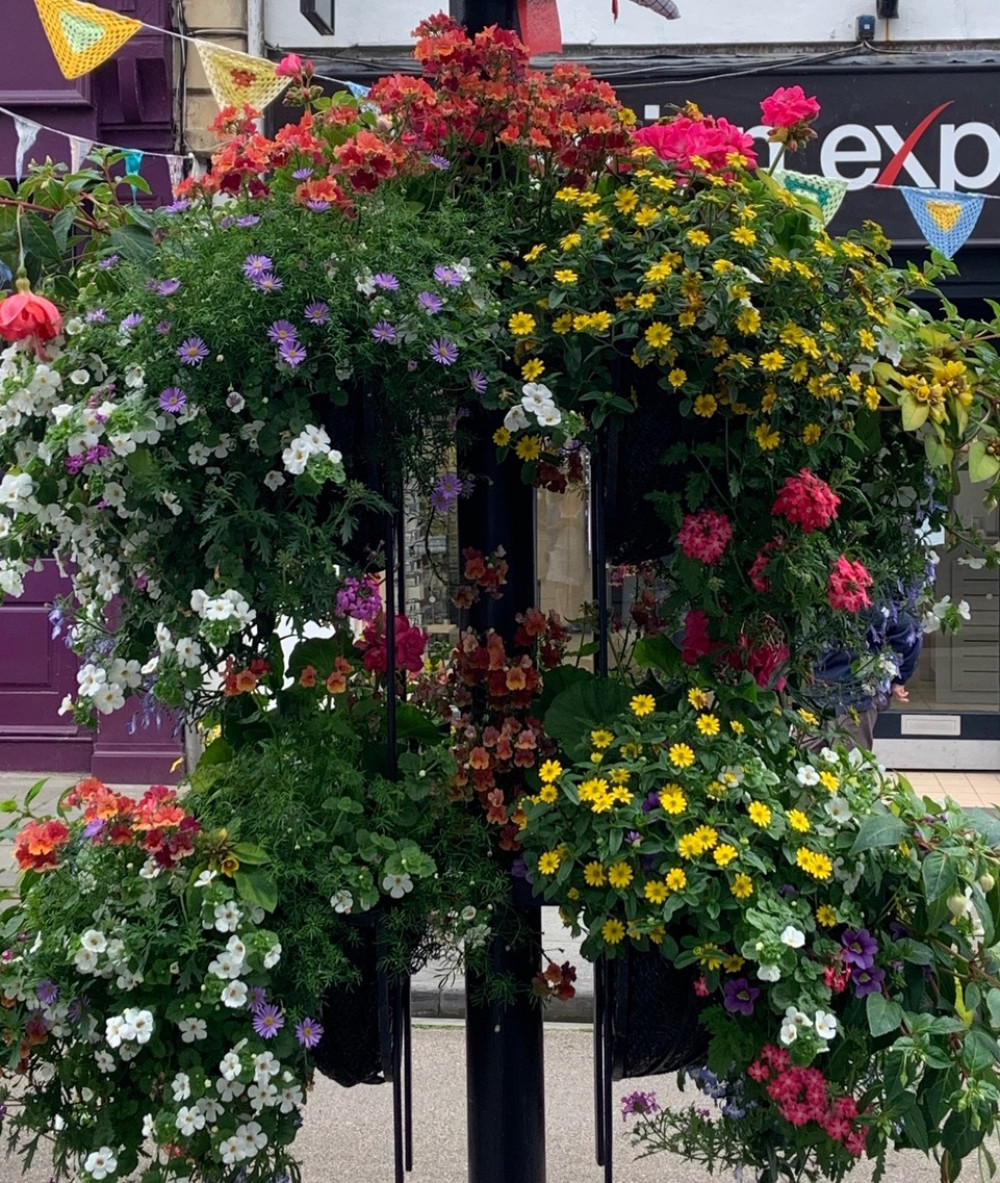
(658, 335)
(760, 814)
(725, 854)
(655, 891)
(613, 931)
(532, 369)
(672, 800)
(601, 738)
(708, 724)
(521, 323)
(620, 875)
(798, 821)
(548, 794)
(676, 879)
(642, 705)
(565, 276)
(742, 887)
(528, 448)
(826, 915)
(548, 863)
(501, 437)
(593, 874)
(681, 755)
(550, 770)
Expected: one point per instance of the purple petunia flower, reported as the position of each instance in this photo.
(282, 330)
(385, 281)
(107, 263)
(867, 981)
(173, 399)
(130, 322)
(167, 287)
(47, 992)
(443, 351)
(651, 802)
(640, 1103)
(448, 276)
(859, 948)
(192, 352)
(177, 207)
(257, 997)
(430, 302)
(97, 316)
(446, 492)
(163, 327)
(738, 996)
(248, 220)
(317, 313)
(292, 353)
(268, 1021)
(317, 207)
(256, 265)
(477, 380)
(267, 282)
(309, 1032)
(439, 161)
(383, 332)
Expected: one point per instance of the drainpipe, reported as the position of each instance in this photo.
(255, 28)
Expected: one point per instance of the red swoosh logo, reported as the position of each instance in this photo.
(893, 168)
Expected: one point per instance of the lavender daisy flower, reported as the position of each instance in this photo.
(192, 352)
(47, 992)
(443, 351)
(132, 321)
(448, 276)
(247, 221)
(97, 316)
(477, 380)
(430, 302)
(268, 1021)
(257, 265)
(163, 327)
(256, 998)
(302, 174)
(267, 282)
(439, 161)
(177, 207)
(317, 207)
(168, 287)
(173, 399)
(317, 313)
(383, 332)
(385, 281)
(152, 285)
(107, 263)
(292, 353)
(282, 330)
(446, 492)
(309, 1032)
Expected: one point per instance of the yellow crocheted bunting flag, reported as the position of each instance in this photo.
(237, 78)
(83, 36)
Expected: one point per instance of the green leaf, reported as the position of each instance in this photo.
(982, 465)
(878, 831)
(939, 875)
(883, 1016)
(915, 1128)
(257, 887)
(914, 414)
(39, 239)
(993, 1006)
(247, 853)
(658, 652)
(33, 792)
(217, 752)
(959, 1138)
(584, 707)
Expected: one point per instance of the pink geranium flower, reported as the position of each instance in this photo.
(848, 585)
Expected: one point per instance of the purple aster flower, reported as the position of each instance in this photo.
(257, 997)
(302, 174)
(867, 981)
(47, 992)
(97, 316)
(247, 221)
(93, 828)
(268, 1021)
(77, 1009)
(130, 322)
(383, 332)
(163, 327)
(477, 380)
(448, 276)
(282, 330)
(859, 948)
(192, 352)
(317, 313)
(267, 282)
(633, 837)
(309, 1032)
(317, 207)
(257, 265)
(439, 161)
(177, 207)
(168, 287)
(107, 263)
(173, 399)
(226, 222)
(640, 1103)
(385, 281)
(738, 996)
(446, 492)
(152, 285)
(430, 302)
(292, 353)
(443, 351)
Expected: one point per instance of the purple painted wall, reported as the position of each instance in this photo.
(127, 103)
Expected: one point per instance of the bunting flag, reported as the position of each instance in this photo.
(238, 78)
(27, 133)
(79, 150)
(826, 192)
(133, 167)
(665, 8)
(175, 170)
(539, 24)
(82, 35)
(359, 91)
(946, 219)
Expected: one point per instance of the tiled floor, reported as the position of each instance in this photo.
(973, 789)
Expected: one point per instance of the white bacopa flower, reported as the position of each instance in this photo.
(94, 940)
(141, 1022)
(839, 810)
(108, 699)
(199, 455)
(265, 1065)
(291, 1098)
(273, 479)
(189, 1120)
(796, 1016)
(549, 416)
(211, 1108)
(536, 397)
(181, 1086)
(229, 1066)
(788, 1033)
(272, 956)
(235, 401)
(262, 1096)
(234, 995)
(229, 1090)
(807, 776)
(193, 1029)
(105, 1061)
(397, 885)
(829, 756)
(188, 653)
(231, 1150)
(793, 937)
(296, 456)
(148, 1127)
(172, 502)
(769, 973)
(101, 1163)
(826, 1025)
(85, 961)
(227, 917)
(116, 1030)
(516, 419)
(342, 902)
(252, 1138)
(205, 878)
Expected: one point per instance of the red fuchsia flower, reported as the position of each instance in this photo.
(806, 501)
(848, 584)
(789, 112)
(410, 643)
(27, 317)
(704, 536)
